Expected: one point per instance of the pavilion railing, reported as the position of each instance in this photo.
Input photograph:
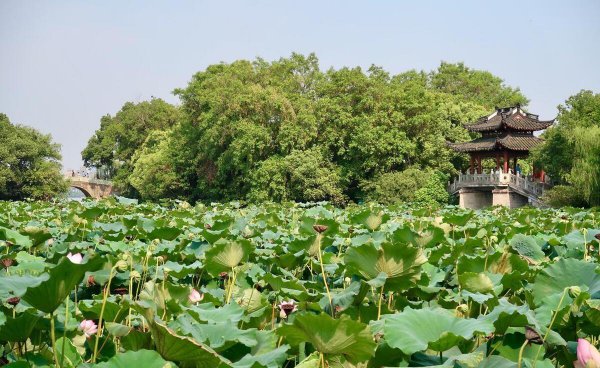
(526, 184)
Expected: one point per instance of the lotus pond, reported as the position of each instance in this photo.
(115, 283)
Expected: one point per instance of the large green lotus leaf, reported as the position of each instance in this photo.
(438, 329)
(400, 262)
(506, 315)
(37, 234)
(207, 312)
(458, 219)
(71, 357)
(566, 273)
(19, 328)
(184, 349)
(15, 237)
(219, 336)
(272, 359)
(342, 336)
(140, 358)
(225, 254)
(165, 233)
(14, 285)
(482, 282)
(496, 361)
(369, 217)
(28, 264)
(136, 340)
(112, 311)
(511, 344)
(48, 295)
(527, 247)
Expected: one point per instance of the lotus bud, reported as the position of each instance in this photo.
(191, 236)
(155, 242)
(49, 242)
(587, 355)
(121, 265)
(574, 291)
(195, 296)
(135, 275)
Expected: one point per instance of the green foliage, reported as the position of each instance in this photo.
(381, 286)
(434, 191)
(113, 146)
(153, 174)
(299, 176)
(571, 151)
(29, 163)
(396, 187)
(287, 130)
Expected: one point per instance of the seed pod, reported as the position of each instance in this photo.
(91, 281)
(320, 228)
(7, 262)
(533, 336)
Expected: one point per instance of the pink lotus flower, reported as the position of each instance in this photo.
(88, 327)
(587, 355)
(195, 296)
(76, 258)
(287, 308)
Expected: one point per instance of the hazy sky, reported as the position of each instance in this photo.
(64, 64)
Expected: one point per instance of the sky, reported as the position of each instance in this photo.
(64, 64)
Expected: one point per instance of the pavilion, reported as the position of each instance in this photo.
(506, 136)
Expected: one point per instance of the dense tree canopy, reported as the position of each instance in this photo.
(29, 163)
(286, 130)
(571, 151)
(114, 144)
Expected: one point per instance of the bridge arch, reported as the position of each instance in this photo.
(94, 188)
(82, 190)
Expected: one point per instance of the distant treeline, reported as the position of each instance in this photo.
(289, 131)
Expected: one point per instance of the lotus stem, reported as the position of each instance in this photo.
(62, 356)
(53, 337)
(550, 326)
(230, 285)
(100, 325)
(520, 361)
(325, 278)
(380, 300)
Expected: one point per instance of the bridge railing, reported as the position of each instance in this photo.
(515, 181)
(86, 179)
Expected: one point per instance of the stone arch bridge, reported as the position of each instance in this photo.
(94, 188)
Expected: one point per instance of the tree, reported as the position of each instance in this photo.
(29, 163)
(570, 153)
(113, 145)
(263, 130)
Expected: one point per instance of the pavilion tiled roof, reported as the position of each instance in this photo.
(509, 118)
(509, 141)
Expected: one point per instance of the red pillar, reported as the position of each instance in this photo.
(505, 161)
(479, 165)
